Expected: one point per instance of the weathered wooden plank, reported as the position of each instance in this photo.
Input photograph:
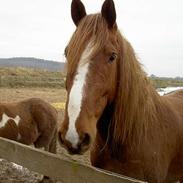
(56, 167)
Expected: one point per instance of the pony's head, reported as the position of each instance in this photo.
(92, 62)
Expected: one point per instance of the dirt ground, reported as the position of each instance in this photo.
(50, 95)
(12, 173)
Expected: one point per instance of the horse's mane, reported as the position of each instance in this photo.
(138, 108)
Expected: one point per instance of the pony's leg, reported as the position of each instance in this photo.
(48, 142)
(53, 143)
(43, 141)
(50, 146)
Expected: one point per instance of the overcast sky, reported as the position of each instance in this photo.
(42, 28)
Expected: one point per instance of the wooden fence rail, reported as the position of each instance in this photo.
(54, 166)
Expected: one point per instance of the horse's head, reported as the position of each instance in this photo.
(92, 56)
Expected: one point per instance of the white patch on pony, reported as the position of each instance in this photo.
(5, 119)
(76, 96)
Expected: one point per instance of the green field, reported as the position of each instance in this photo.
(23, 77)
(169, 82)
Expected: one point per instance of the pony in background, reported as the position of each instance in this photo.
(31, 122)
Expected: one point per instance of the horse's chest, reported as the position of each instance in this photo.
(126, 166)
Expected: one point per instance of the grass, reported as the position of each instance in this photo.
(59, 105)
(169, 82)
(23, 77)
(31, 78)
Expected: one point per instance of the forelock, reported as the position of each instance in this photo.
(92, 29)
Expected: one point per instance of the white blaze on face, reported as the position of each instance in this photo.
(5, 119)
(76, 96)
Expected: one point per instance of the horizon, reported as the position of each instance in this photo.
(35, 29)
(37, 59)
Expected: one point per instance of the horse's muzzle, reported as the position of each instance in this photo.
(82, 146)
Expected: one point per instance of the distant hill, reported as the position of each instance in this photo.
(30, 62)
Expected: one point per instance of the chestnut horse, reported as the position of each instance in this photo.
(113, 108)
(31, 122)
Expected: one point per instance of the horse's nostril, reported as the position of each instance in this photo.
(86, 139)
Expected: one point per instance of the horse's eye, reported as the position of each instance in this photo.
(112, 57)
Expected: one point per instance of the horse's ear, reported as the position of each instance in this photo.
(109, 12)
(77, 11)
